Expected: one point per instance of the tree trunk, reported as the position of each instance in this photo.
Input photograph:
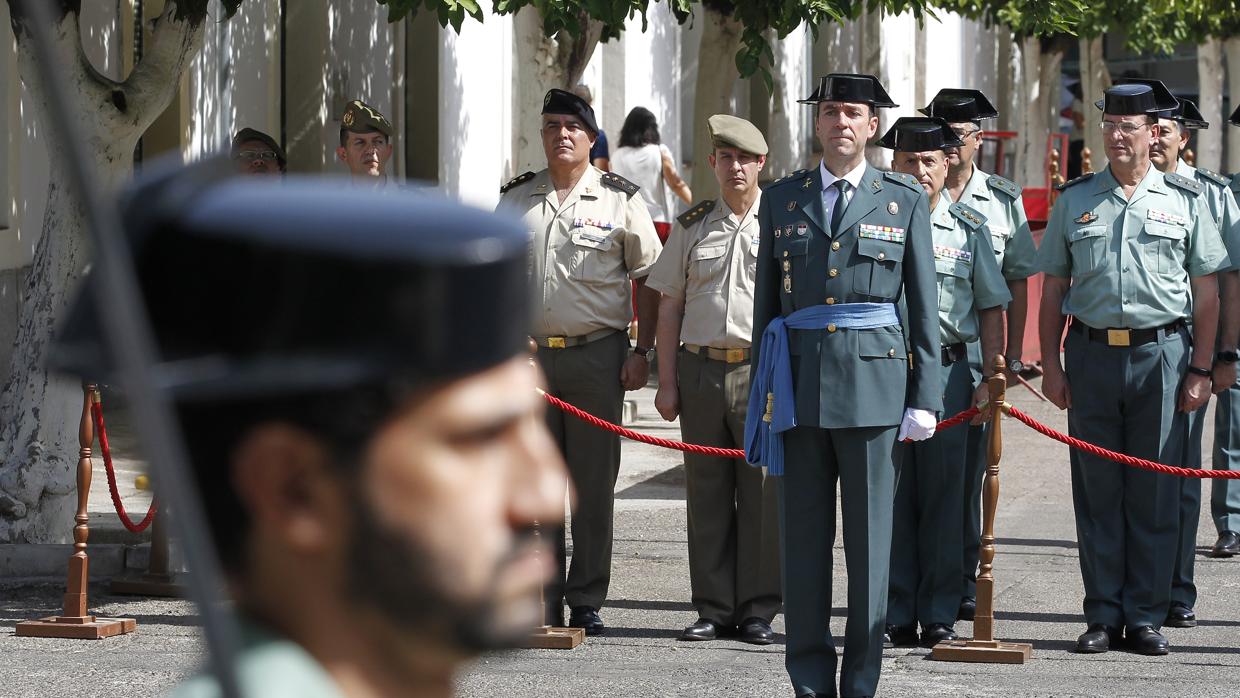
(786, 133)
(716, 78)
(1095, 79)
(39, 411)
(1233, 88)
(1039, 107)
(1208, 144)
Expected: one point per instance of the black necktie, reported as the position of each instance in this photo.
(837, 211)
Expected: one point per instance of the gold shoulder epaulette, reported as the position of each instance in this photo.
(519, 179)
(1179, 181)
(615, 181)
(1071, 182)
(1007, 186)
(971, 217)
(696, 213)
(901, 178)
(1212, 177)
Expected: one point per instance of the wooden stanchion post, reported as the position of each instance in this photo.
(1087, 161)
(77, 623)
(983, 647)
(547, 637)
(158, 580)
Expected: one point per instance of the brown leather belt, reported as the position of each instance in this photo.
(731, 356)
(566, 342)
(1114, 337)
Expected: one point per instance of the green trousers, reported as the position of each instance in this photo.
(1183, 588)
(864, 461)
(587, 376)
(974, 472)
(1127, 520)
(1225, 494)
(927, 532)
(733, 510)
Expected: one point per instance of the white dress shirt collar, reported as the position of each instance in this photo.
(853, 176)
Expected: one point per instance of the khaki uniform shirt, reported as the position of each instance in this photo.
(267, 665)
(1130, 259)
(584, 251)
(968, 276)
(999, 200)
(710, 265)
(1222, 204)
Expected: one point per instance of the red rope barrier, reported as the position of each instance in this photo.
(1118, 457)
(693, 448)
(97, 410)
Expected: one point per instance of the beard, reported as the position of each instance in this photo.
(396, 576)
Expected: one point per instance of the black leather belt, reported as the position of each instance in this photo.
(1116, 337)
(954, 352)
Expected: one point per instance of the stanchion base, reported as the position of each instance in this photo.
(555, 638)
(86, 628)
(149, 585)
(990, 652)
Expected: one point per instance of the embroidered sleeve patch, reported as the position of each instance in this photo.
(880, 232)
(1157, 216)
(942, 252)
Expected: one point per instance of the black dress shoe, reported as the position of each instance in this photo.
(756, 631)
(1148, 641)
(701, 630)
(586, 617)
(900, 636)
(968, 609)
(1227, 545)
(1098, 639)
(1180, 616)
(936, 633)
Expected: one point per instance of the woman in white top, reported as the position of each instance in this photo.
(646, 162)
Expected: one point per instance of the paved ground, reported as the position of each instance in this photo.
(1039, 600)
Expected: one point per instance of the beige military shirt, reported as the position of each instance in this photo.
(584, 251)
(710, 264)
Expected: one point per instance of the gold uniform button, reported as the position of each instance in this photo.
(785, 253)
(882, 255)
(833, 273)
(831, 327)
(830, 300)
(835, 246)
(891, 352)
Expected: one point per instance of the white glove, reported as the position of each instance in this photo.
(917, 425)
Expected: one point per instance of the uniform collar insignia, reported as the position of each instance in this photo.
(1087, 217)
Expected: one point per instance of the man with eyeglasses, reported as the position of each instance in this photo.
(256, 153)
(592, 241)
(366, 145)
(999, 201)
(1176, 125)
(1129, 253)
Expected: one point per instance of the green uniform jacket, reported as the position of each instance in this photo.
(852, 378)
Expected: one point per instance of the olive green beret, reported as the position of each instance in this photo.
(729, 131)
(360, 117)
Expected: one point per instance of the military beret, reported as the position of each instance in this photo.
(1133, 98)
(850, 87)
(918, 134)
(252, 292)
(250, 134)
(360, 117)
(958, 105)
(729, 131)
(563, 102)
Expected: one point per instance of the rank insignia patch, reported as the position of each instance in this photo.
(802, 229)
(1087, 217)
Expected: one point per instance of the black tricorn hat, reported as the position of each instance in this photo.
(958, 105)
(850, 87)
(253, 291)
(1131, 97)
(1234, 119)
(1184, 111)
(1188, 114)
(918, 134)
(559, 101)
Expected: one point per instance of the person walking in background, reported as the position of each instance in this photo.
(642, 159)
(600, 152)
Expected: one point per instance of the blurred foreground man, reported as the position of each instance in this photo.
(1129, 253)
(365, 145)
(706, 276)
(836, 382)
(592, 241)
(361, 416)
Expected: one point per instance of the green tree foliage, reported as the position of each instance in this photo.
(1025, 18)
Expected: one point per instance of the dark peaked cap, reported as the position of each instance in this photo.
(918, 134)
(957, 105)
(1133, 98)
(1184, 112)
(253, 134)
(850, 87)
(561, 102)
(252, 290)
(1234, 119)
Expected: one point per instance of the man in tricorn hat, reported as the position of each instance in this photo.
(593, 242)
(1176, 126)
(362, 422)
(365, 144)
(841, 244)
(1129, 253)
(999, 201)
(928, 530)
(706, 276)
(254, 152)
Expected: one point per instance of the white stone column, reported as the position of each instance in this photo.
(1208, 144)
(789, 125)
(1233, 88)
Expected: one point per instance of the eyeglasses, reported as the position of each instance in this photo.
(962, 133)
(253, 155)
(1127, 127)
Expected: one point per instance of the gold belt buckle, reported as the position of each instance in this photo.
(555, 343)
(734, 356)
(1119, 338)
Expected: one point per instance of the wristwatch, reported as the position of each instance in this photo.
(1227, 357)
(643, 352)
(1016, 365)
(1197, 371)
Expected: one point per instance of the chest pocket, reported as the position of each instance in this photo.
(707, 268)
(593, 256)
(1163, 246)
(955, 278)
(1088, 247)
(877, 268)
